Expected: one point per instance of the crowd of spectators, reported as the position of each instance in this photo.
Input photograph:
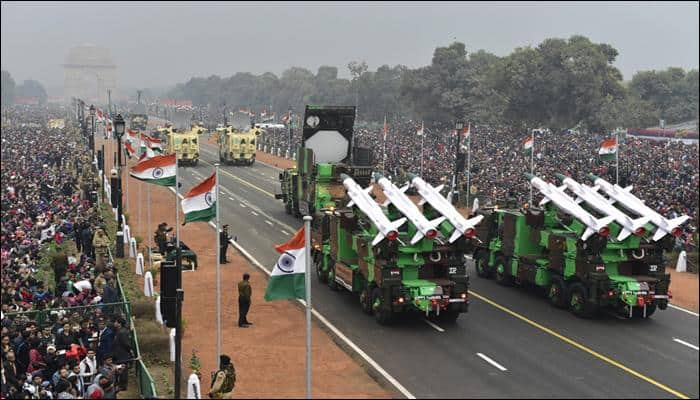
(63, 336)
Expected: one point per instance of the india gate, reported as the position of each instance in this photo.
(89, 73)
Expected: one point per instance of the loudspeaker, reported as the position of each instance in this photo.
(169, 277)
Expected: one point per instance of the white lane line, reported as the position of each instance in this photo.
(230, 198)
(330, 326)
(254, 213)
(437, 328)
(684, 310)
(268, 222)
(242, 205)
(684, 343)
(490, 361)
(284, 232)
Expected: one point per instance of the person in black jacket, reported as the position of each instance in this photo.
(121, 349)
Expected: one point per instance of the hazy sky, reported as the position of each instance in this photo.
(155, 44)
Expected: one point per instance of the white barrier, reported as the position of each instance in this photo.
(159, 316)
(194, 390)
(172, 345)
(265, 148)
(682, 263)
(475, 205)
(127, 233)
(116, 217)
(286, 154)
(132, 248)
(139, 264)
(148, 284)
(294, 156)
(123, 221)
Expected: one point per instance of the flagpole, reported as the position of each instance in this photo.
(126, 160)
(532, 164)
(617, 159)
(422, 140)
(307, 279)
(469, 162)
(178, 300)
(384, 160)
(218, 268)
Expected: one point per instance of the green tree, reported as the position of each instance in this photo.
(673, 92)
(32, 89)
(8, 88)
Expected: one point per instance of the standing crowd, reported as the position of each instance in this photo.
(64, 327)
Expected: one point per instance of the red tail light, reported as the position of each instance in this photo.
(640, 231)
(670, 296)
(611, 293)
(463, 295)
(640, 300)
(401, 300)
(675, 232)
(604, 231)
(470, 233)
(431, 234)
(392, 235)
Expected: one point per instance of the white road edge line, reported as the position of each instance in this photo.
(230, 198)
(331, 327)
(437, 328)
(268, 222)
(490, 361)
(241, 204)
(284, 232)
(684, 310)
(254, 213)
(684, 343)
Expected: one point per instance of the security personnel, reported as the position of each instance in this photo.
(223, 244)
(161, 238)
(244, 293)
(224, 380)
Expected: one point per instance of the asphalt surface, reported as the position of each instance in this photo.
(511, 343)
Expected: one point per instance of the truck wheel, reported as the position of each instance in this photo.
(450, 316)
(578, 301)
(481, 264)
(557, 292)
(502, 276)
(638, 312)
(252, 161)
(331, 277)
(383, 317)
(366, 299)
(195, 162)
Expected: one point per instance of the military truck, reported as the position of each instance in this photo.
(235, 146)
(184, 144)
(392, 256)
(138, 118)
(577, 260)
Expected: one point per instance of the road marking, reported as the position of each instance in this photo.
(230, 198)
(243, 181)
(684, 310)
(684, 343)
(335, 331)
(437, 328)
(254, 213)
(268, 222)
(285, 232)
(580, 346)
(241, 204)
(490, 361)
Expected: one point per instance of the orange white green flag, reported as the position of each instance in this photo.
(287, 278)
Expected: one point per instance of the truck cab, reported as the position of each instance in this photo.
(236, 146)
(184, 144)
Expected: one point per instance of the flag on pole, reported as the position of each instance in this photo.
(159, 170)
(199, 203)
(129, 150)
(287, 279)
(285, 118)
(527, 145)
(420, 131)
(148, 153)
(608, 149)
(464, 139)
(467, 131)
(386, 128)
(152, 143)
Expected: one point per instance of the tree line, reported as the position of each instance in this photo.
(28, 89)
(559, 84)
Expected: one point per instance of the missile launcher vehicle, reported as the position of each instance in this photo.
(397, 257)
(584, 253)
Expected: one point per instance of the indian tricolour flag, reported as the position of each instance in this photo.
(129, 150)
(608, 149)
(199, 203)
(287, 278)
(152, 143)
(528, 144)
(159, 170)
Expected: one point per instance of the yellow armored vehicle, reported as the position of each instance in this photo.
(236, 146)
(184, 144)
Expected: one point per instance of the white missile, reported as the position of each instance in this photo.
(636, 205)
(569, 206)
(601, 204)
(360, 198)
(463, 226)
(396, 196)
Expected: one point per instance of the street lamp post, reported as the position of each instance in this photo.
(91, 138)
(291, 133)
(119, 131)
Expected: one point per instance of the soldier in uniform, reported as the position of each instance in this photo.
(244, 293)
(224, 380)
(223, 244)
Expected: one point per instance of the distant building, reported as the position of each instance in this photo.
(89, 73)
